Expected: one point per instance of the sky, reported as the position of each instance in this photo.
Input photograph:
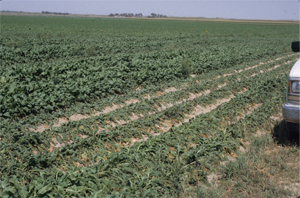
(238, 9)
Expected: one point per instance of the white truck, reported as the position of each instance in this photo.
(291, 109)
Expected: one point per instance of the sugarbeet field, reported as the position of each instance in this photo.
(100, 107)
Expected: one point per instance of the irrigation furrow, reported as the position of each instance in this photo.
(159, 110)
(189, 145)
(77, 117)
(56, 144)
(250, 110)
(98, 146)
(204, 110)
(162, 106)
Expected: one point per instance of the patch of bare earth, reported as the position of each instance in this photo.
(214, 178)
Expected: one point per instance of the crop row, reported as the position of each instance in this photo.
(188, 91)
(35, 88)
(147, 126)
(85, 108)
(145, 106)
(158, 165)
(71, 130)
(28, 161)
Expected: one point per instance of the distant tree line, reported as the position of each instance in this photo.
(10, 10)
(137, 15)
(153, 15)
(126, 15)
(57, 13)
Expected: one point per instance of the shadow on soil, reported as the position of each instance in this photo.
(286, 133)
